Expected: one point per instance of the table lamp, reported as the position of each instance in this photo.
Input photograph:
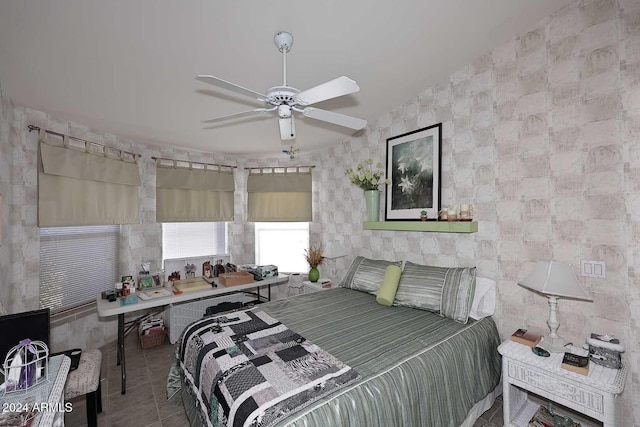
(555, 280)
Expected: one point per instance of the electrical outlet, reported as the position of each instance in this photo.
(596, 269)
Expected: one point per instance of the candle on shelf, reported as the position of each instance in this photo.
(452, 214)
(465, 212)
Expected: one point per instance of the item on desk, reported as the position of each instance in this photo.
(18, 419)
(525, 337)
(25, 365)
(206, 269)
(154, 293)
(234, 279)
(145, 280)
(190, 270)
(267, 271)
(576, 363)
(193, 284)
(605, 350)
(219, 268)
(129, 299)
(539, 351)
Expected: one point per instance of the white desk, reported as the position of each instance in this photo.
(49, 393)
(106, 308)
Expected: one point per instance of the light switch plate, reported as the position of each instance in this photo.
(595, 269)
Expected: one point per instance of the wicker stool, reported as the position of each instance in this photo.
(86, 380)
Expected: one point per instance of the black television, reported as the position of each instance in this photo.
(18, 326)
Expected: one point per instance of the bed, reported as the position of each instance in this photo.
(414, 367)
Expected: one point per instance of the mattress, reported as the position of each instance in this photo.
(417, 368)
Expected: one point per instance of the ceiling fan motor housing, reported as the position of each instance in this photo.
(280, 95)
(283, 41)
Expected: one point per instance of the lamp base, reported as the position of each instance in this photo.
(553, 345)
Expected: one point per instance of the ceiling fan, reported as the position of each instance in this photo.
(286, 99)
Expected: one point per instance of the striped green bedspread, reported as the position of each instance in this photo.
(417, 368)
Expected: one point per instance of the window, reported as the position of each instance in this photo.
(76, 264)
(192, 239)
(282, 244)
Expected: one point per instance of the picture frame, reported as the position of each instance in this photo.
(413, 167)
(157, 281)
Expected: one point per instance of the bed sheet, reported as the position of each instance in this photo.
(417, 368)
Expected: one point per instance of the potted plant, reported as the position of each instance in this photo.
(314, 257)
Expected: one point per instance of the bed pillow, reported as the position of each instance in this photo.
(484, 299)
(387, 292)
(446, 291)
(366, 274)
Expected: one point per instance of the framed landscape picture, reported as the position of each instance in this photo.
(413, 166)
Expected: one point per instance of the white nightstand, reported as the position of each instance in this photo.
(311, 287)
(594, 395)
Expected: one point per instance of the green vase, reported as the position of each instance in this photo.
(314, 274)
(372, 199)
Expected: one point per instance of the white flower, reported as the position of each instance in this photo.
(405, 184)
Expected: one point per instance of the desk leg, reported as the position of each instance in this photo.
(121, 361)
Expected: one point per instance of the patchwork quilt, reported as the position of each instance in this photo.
(248, 369)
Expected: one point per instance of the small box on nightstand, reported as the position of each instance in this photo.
(320, 285)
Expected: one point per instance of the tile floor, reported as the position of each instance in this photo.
(145, 403)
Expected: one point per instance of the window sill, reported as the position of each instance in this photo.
(69, 316)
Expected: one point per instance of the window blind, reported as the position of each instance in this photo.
(189, 192)
(193, 239)
(279, 194)
(282, 244)
(78, 185)
(76, 264)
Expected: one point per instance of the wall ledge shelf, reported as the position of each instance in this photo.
(429, 226)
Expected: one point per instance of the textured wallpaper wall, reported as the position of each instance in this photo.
(542, 134)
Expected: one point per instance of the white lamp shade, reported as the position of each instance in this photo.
(555, 278)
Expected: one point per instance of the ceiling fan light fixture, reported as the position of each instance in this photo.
(284, 111)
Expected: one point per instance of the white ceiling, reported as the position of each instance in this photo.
(127, 67)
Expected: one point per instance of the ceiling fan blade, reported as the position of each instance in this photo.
(229, 86)
(335, 118)
(287, 128)
(236, 115)
(331, 89)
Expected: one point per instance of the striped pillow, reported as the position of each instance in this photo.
(446, 291)
(366, 274)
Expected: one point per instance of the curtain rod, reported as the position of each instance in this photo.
(280, 167)
(189, 161)
(32, 127)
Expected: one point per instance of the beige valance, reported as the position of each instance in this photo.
(194, 194)
(77, 186)
(279, 194)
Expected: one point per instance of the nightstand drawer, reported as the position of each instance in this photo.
(548, 385)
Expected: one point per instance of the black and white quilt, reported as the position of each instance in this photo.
(248, 369)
